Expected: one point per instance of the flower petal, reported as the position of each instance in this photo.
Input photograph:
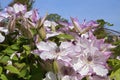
(2, 38)
(47, 55)
(100, 70)
(84, 70)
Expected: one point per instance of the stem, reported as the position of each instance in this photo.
(112, 30)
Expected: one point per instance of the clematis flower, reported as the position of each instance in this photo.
(52, 34)
(2, 38)
(88, 64)
(91, 59)
(95, 77)
(84, 27)
(48, 23)
(50, 27)
(52, 76)
(32, 15)
(4, 16)
(50, 50)
(16, 9)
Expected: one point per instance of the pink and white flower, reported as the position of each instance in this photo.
(16, 9)
(91, 60)
(52, 76)
(50, 50)
(32, 15)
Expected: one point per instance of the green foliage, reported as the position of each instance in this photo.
(3, 77)
(55, 17)
(24, 66)
(65, 36)
(12, 69)
(115, 72)
(101, 32)
(4, 59)
(1, 69)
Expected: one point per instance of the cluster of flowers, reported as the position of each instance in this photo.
(83, 55)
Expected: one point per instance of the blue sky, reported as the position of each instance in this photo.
(109, 10)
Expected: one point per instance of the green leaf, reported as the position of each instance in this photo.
(26, 47)
(15, 47)
(1, 69)
(115, 75)
(55, 67)
(9, 51)
(65, 36)
(12, 69)
(23, 72)
(115, 72)
(3, 77)
(4, 59)
(19, 65)
(114, 63)
(15, 58)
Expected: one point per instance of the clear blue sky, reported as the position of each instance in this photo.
(109, 10)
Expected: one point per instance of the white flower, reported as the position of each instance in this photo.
(3, 16)
(49, 23)
(52, 34)
(3, 29)
(94, 77)
(90, 60)
(50, 50)
(88, 64)
(19, 8)
(33, 15)
(2, 38)
(50, 76)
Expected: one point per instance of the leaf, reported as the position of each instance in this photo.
(15, 47)
(19, 65)
(23, 72)
(1, 69)
(4, 59)
(26, 47)
(12, 69)
(115, 64)
(115, 75)
(65, 36)
(3, 77)
(15, 58)
(9, 51)
(37, 72)
(55, 67)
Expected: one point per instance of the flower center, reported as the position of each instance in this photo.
(57, 50)
(89, 58)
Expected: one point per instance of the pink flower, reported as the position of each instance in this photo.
(4, 16)
(33, 15)
(50, 50)
(90, 59)
(16, 9)
(84, 27)
(52, 76)
(94, 77)
(87, 64)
